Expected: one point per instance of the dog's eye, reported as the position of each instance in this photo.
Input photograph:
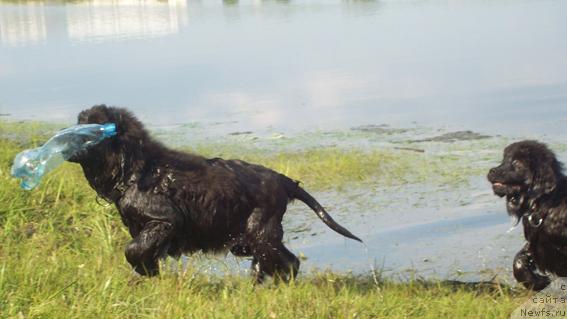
(517, 164)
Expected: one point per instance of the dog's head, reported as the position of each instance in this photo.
(126, 123)
(528, 170)
(129, 130)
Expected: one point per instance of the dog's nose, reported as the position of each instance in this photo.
(491, 172)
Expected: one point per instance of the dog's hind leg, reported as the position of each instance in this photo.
(277, 261)
(148, 246)
(264, 234)
(272, 258)
(524, 271)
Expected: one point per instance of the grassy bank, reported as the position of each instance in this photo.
(61, 254)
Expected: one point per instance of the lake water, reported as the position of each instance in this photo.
(495, 67)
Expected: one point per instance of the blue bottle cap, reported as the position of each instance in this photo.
(109, 129)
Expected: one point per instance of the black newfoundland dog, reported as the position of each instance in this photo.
(531, 179)
(175, 203)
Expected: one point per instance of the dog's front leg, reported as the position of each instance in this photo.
(145, 249)
(524, 271)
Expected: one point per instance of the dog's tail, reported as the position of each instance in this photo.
(302, 195)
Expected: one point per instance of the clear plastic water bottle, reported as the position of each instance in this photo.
(30, 165)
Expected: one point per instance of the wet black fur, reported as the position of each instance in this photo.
(531, 179)
(174, 202)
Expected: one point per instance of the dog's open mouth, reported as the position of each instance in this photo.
(500, 189)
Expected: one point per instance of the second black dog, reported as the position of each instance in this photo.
(531, 179)
(175, 203)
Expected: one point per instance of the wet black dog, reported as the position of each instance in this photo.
(531, 179)
(175, 203)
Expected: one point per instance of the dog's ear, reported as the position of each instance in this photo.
(545, 169)
(545, 181)
(128, 126)
(97, 114)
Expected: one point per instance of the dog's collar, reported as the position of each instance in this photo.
(535, 218)
(535, 221)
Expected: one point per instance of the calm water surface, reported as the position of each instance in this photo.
(497, 67)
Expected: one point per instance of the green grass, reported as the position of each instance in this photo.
(61, 253)
(334, 167)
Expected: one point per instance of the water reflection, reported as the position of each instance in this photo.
(23, 24)
(291, 65)
(107, 19)
(28, 23)
(33, 22)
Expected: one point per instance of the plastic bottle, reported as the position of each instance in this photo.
(30, 165)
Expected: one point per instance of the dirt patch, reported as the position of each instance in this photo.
(241, 133)
(379, 129)
(452, 137)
